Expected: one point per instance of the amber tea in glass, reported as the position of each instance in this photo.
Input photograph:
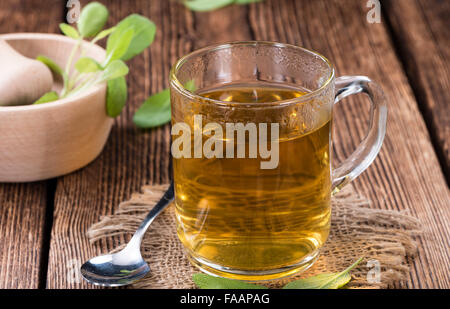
(239, 220)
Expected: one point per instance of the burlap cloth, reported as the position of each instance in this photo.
(356, 230)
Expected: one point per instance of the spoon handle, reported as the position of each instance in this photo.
(165, 201)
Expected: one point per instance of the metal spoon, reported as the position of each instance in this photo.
(127, 266)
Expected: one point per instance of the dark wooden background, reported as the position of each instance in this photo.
(43, 224)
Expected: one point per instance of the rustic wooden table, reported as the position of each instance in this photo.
(43, 224)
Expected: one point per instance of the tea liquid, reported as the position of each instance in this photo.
(235, 215)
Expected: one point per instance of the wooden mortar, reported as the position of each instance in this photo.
(52, 139)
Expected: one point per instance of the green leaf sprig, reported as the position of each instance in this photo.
(322, 281)
(155, 111)
(209, 5)
(126, 40)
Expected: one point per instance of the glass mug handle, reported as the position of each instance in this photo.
(368, 149)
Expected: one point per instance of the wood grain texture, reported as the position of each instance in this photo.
(406, 176)
(420, 33)
(22, 219)
(23, 206)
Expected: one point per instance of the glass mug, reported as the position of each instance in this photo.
(235, 218)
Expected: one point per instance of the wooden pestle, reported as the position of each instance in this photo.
(22, 80)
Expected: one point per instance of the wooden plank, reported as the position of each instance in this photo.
(22, 221)
(23, 247)
(406, 176)
(420, 32)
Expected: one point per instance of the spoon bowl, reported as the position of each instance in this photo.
(104, 271)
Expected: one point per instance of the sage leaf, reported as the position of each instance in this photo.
(104, 33)
(143, 35)
(117, 48)
(116, 96)
(54, 67)
(324, 281)
(87, 65)
(204, 281)
(316, 282)
(92, 19)
(47, 97)
(206, 5)
(115, 69)
(69, 31)
(154, 112)
(51, 65)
